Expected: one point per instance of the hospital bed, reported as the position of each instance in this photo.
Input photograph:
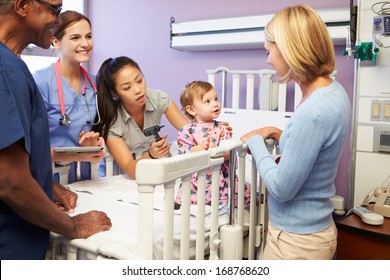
(145, 224)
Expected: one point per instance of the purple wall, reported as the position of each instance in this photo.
(141, 30)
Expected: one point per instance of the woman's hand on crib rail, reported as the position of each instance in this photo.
(265, 132)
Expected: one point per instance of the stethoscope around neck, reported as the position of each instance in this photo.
(65, 119)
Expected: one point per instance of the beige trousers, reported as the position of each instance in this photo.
(282, 245)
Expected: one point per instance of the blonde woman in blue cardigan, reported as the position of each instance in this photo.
(301, 185)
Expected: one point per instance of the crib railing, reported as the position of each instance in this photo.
(63, 169)
(256, 82)
(271, 95)
(151, 173)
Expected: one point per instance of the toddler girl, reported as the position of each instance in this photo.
(199, 101)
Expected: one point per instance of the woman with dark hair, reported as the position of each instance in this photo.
(127, 107)
(69, 93)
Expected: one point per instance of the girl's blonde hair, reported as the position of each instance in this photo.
(303, 39)
(192, 91)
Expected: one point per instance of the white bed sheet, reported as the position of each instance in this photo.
(118, 197)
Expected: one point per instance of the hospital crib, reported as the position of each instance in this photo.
(193, 232)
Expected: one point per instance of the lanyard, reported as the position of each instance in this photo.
(65, 118)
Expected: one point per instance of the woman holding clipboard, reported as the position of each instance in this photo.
(69, 93)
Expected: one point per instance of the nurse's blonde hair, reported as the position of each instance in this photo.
(304, 42)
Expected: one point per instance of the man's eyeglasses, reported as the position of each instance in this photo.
(56, 9)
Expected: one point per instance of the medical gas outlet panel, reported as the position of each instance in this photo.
(371, 137)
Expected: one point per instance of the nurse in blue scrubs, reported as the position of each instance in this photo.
(69, 93)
